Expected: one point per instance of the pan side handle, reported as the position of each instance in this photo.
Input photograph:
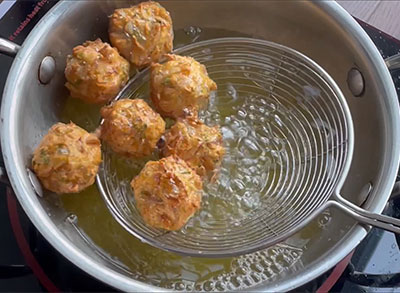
(393, 62)
(8, 48)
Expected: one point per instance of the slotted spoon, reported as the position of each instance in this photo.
(289, 138)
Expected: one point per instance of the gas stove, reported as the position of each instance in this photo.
(29, 263)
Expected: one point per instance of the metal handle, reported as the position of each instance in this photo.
(363, 216)
(8, 48)
(11, 49)
(393, 62)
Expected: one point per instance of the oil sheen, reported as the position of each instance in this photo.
(256, 161)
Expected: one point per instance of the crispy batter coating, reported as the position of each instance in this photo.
(199, 145)
(67, 159)
(179, 85)
(131, 127)
(142, 33)
(167, 193)
(95, 72)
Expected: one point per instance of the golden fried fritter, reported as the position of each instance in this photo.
(142, 33)
(131, 127)
(95, 72)
(199, 145)
(180, 84)
(167, 193)
(67, 159)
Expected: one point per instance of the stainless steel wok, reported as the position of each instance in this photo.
(321, 30)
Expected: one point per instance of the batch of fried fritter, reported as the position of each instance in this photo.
(167, 192)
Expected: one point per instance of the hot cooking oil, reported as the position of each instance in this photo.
(258, 154)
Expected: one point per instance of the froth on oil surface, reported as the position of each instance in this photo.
(169, 270)
(248, 121)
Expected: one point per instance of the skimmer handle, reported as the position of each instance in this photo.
(363, 216)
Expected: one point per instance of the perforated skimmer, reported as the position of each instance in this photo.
(289, 137)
